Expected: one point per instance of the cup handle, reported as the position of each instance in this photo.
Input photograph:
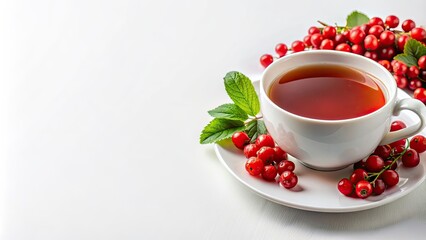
(413, 105)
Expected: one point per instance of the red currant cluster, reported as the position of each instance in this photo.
(377, 172)
(377, 40)
(266, 159)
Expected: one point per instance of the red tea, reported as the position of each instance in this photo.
(328, 92)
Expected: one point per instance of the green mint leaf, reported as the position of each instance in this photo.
(414, 48)
(255, 128)
(356, 19)
(229, 111)
(406, 59)
(240, 89)
(219, 129)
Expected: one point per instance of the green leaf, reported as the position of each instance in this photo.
(414, 48)
(219, 129)
(240, 89)
(255, 128)
(229, 111)
(356, 19)
(407, 59)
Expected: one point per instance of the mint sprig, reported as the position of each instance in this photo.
(413, 50)
(242, 115)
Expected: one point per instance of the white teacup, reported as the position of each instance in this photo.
(335, 144)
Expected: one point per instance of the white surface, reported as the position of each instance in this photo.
(102, 103)
(317, 191)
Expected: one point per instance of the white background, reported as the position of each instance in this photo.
(102, 103)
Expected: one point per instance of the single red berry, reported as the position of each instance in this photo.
(267, 154)
(422, 62)
(407, 25)
(396, 144)
(400, 69)
(266, 60)
(418, 33)
(240, 139)
(376, 21)
(254, 166)
(288, 179)
(387, 38)
(313, 30)
(414, 84)
(410, 158)
(345, 186)
(358, 175)
(307, 40)
(344, 47)
(393, 164)
(363, 189)
(379, 187)
(376, 30)
(280, 154)
(346, 34)
(250, 150)
(371, 42)
(371, 55)
(297, 46)
(329, 32)
(413, 72)
(401, 81)
(356, 36)
(418, 143)
(392, 21)
(390, 177)
(327, 44)
(374, 163)
(420, 94)
(340, 38)
(281, 49)
(265, 140)
(397, 149)
(269, 173)
(316, 39)
(386, 64)
(359, 164)
(357, 49)
(402, 40)
(387, 53)
(286, 165)
(397, 125)
(383, 151)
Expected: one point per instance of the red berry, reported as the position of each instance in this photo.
(407, 25)
(418, 143)
(356, 36)
(422, 62)
(374, 163)
(240, 139)
(269, 173)
(376, 30)
(379, 187)
(345, 187)
(390, 177)
(344, 47)
(387, 38)
(288, 179)
(397, 125)
(285, 165)
(414, 84)
(418, 33)
(265, 140)
(410, 158)
(297, 46)
(316, 39)
(357, 49)
(339, 38)
(383, 151)
(376, 21)
(266, 154)
(371, 55)
(393, 164)
(358, 175)
(266, 60)
(400, 69)
(281, 49)
(401, 81)
(420, 94)
(385, 63)
(313, 30)
(402, 40)
(327, 44)
(363, 189)
(397, 149)
(280, 155)
(413, 72)
(370, 42)
(329, 32)
(387, 53)
(254, 166)
(359, 164)
(399, 143)
(250, 150)
(392, 21)
(307, 40)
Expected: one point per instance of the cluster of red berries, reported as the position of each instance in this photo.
(377, 172)
(266, 159)
(377, 40)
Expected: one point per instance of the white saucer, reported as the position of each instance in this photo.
(316, 190)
